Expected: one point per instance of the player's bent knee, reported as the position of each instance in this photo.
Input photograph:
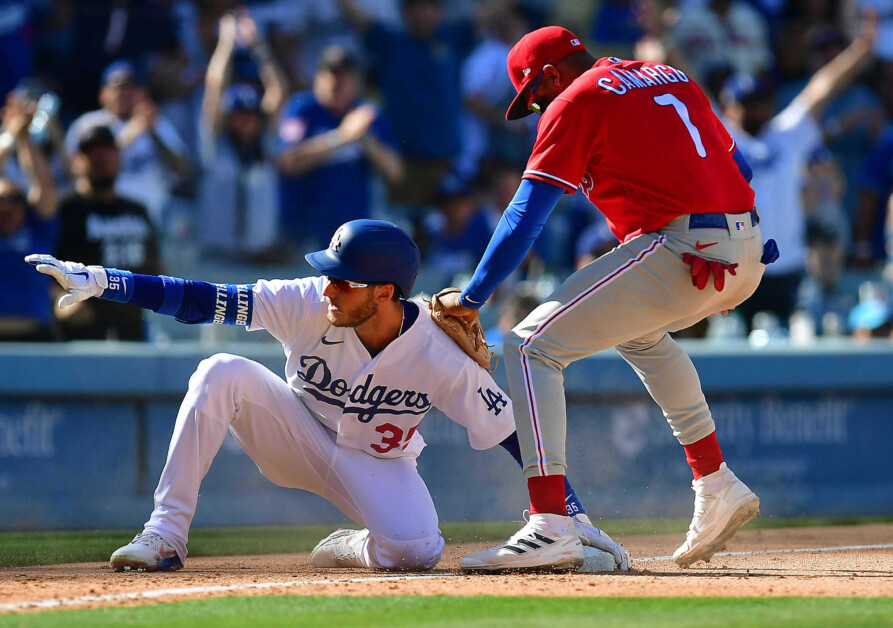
(222, 368)
(414, 555)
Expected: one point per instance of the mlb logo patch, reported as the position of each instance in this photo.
(739, 225)
(575, 42)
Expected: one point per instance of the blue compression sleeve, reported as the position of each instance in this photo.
(743, 166)
(519, 226)
(571, 501)
(190, 302)
(512, 446)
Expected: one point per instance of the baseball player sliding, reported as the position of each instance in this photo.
(640, 140)
(363, 367)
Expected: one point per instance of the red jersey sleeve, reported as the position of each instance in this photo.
(563, 145)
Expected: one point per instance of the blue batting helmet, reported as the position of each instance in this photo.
(375, 251)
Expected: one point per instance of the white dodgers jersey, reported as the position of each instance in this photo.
(375, 404)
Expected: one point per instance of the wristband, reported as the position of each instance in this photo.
(469, 303)
(120, 285)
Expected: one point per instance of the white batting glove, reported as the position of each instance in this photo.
(81, 282)
(599, 539)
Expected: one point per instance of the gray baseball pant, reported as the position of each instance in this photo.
(629, 298)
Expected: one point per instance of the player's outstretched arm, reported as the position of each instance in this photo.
(191, 302)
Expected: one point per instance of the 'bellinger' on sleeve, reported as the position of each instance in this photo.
(519, 226)
(191, 302)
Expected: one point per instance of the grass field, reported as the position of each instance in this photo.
(473, 612)
(19, 549)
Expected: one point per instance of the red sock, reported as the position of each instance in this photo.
(704, 456)
(547, 495)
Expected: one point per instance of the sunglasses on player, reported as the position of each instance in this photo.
(532, 106)
(343, 284)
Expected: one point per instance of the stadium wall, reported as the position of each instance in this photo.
(84, 430)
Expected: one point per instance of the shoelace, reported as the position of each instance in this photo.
(342, 549)
(525, 515)
(149, 539)
(524, 533)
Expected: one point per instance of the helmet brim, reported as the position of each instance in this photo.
(327, 264)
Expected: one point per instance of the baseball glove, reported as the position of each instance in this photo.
(469, 335)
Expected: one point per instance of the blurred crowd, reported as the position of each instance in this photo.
(207, 136)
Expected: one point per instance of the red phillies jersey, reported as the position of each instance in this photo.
(643, 144)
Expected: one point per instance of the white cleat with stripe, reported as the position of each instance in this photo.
(546, 543)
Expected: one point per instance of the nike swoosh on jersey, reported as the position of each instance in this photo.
(331, 342)
(701, 247)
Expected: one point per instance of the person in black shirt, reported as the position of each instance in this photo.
(98, 227)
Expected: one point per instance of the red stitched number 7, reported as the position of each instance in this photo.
(394, 439)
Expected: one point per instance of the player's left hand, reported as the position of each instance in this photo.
(453, 306)
(81, 282)
(702, 269)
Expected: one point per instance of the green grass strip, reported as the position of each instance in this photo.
(18, 549)
(474, 612)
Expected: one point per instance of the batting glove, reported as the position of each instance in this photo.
(81, 282)
(702, 269)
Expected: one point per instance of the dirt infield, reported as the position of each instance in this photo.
(763, 569)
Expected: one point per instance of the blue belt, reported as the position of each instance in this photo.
(717, 221)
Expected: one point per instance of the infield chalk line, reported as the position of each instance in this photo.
(799, 550)
(148, 595)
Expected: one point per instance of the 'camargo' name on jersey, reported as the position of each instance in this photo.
(646, 76)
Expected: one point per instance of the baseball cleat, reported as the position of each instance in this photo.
(591, 536)
(341, 548)
(146, 552)
(723, 504)
(546, 542)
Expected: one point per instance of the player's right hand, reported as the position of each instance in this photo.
(703, 269)
(81, 282)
